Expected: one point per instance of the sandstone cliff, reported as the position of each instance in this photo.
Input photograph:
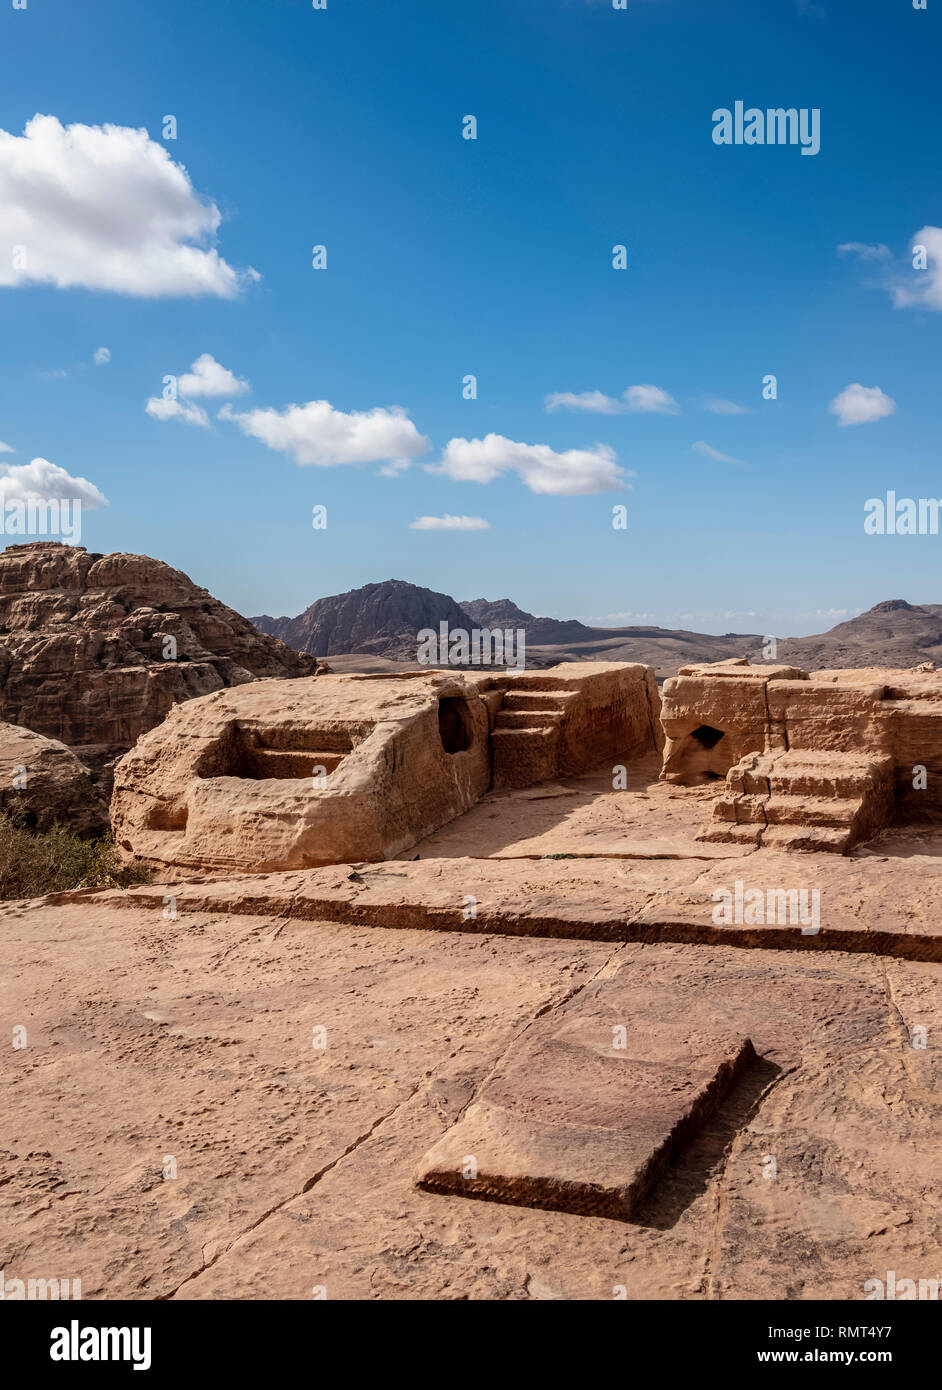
(96, 649)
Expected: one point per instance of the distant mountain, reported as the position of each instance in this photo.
(502, 613)
(380, 622)
(379, 619)
(894, 633)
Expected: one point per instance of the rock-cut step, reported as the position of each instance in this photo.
(525, 736)
(523, 756)
(803, 800)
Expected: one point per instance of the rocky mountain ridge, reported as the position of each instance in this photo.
(380, 623)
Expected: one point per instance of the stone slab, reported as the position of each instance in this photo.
(586, 1111)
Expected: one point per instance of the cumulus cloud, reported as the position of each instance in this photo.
(718, 406)
(576, 472)
(449, 523)
(595, 401)
(45, 481)
(6, 448)
(709, 452)
(923, 288)
(159, 408)
(865, 251)
(651, 400)
(101, 356)
(106, 208)
(859, 405)
(318, 434)
(207, 377)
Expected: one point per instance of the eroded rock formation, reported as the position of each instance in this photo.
(291, 774)
(96, 649)
(42, 782)
(809, 762)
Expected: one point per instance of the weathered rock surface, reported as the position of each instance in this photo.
(585, 1112)
(881, 903)
(284, 774)
(810, 763)
(170, 1131)
(291, 774)
(95, 650)
(43, 781)
(227, 1085)
(566, 720)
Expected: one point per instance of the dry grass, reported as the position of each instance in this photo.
(33, 863)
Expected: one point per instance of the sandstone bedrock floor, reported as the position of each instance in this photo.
(192, 1041)
(291, 1046)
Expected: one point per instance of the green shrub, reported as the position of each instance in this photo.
(33, 863)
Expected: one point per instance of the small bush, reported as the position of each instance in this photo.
(33, 863)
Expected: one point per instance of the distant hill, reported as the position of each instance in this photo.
(503, 613)
(894, 633)
(379, 619)
(379, 624)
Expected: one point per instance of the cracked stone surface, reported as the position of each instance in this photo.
(191, 1040)
(878, 901)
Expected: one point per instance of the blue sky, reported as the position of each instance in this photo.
(493, 256)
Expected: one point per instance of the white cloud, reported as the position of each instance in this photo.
(865, 251)
(595, 401)
(159, 408)
(207, 377)
(577, 472)
(640, 399)
(924, 288)
(6, 448)
(859, 405)
(106, 208)
(318, 434)
(718, 406)
(102, 356)
(709, 452)
(651, 400)
(449, 523)
(44, 480)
